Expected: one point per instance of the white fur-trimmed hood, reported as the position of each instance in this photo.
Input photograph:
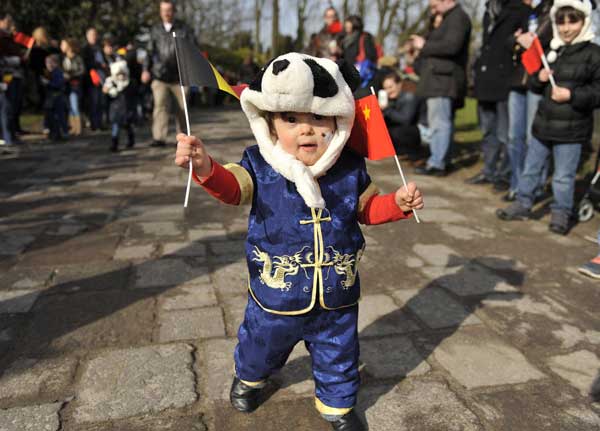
(296, 82)
(587, 32)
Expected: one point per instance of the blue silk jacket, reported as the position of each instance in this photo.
(297, 255)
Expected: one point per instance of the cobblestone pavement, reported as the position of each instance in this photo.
(119, 309)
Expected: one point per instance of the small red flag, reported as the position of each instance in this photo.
(23, 39)
(532, 58)
(370, 137)
(335, 27)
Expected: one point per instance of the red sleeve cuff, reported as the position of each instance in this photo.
(220, 183)
(382, 209)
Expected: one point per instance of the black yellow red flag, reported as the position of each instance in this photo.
(370, 137)
(196, 70)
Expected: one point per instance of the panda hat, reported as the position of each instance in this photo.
(585, 35)
(296, 82)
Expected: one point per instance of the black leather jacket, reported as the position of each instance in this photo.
(161, 60)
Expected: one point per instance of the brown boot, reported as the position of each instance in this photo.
(76, 126)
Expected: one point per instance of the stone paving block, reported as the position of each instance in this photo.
(208, 234)
(17, 301)
(26, 278)
(392, 357)
(436, 308)
(231, 279)
(13, 243)
(463, 233)
(189, 296)
(477, 357)
(216, 367)
(415, 405)
(32, 418)
(158, 422)
(579, 368)
(126, 177)
(233, 249)
(158, 213)
(234, 307)
(469, 279)
(169, 272)
(191, 324)
(435, 254)
(545, 406)
(161, 228)
(379, 315)
(33, 377)
(441, 216)
(131, 382)
(112, 275)
(134, 252)
(190, 249)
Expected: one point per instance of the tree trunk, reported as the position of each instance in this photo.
(275, 30)
(257, 16)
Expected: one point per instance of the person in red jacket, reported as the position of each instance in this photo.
(308, 196)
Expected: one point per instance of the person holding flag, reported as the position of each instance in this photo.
(564, 120)
(308, 195)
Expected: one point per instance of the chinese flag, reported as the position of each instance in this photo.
(95, 77)
(370, 137)
(23, 39)
(532, 58)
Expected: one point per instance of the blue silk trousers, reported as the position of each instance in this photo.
(330, 336)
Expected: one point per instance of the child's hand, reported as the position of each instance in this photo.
(561, 94)
(409, 198)
(544, 75)
(190, 147)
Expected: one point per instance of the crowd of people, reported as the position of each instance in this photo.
(526, 120)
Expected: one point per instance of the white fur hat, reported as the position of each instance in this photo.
(587, 32)
(296, 82)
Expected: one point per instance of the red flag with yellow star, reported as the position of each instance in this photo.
(370, 137)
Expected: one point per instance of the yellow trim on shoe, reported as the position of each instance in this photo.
(333, 411)
(253, 384)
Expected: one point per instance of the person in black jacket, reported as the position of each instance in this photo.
(493, 68)
(522, 102)
(161, 67)
(96, 66)
(401, 115)
(443, 83)
(564, 120)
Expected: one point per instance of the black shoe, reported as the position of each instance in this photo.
(430, 171)
(244, 398)
(158, 144)
(348, 422)
(510, 196)
(514, 211)
(501, 185)
(478, 179)
(560, 223)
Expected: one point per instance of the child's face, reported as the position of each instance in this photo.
(304, 135)
(50, 65)
(569, 30)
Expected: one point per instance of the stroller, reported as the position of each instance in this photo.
(591, 198)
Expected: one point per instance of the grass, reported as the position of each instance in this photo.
(466, 124)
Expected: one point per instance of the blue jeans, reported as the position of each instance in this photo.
(522, 108)
(440, 118)
(566, 159)
(74, 103)
(4, 118)
(493, 120)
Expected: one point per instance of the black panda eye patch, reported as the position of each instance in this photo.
(325, 85)
(280, 66)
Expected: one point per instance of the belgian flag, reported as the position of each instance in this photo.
(196, 70)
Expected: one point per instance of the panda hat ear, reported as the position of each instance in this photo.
(349, 73)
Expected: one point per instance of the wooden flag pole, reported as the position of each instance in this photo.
(187, 123)
(401, 172)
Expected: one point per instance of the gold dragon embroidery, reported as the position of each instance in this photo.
(347, 264)
(282, 265)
